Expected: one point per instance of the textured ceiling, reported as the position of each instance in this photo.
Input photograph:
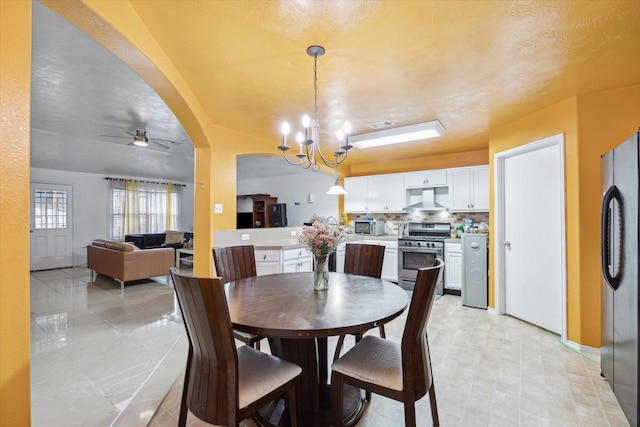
(79, 92)
(470, 64)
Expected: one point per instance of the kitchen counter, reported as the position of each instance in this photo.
(453, 241)
(293, 243)
(265, 240)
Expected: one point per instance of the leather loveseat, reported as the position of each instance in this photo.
(156, 240)
(124, 262)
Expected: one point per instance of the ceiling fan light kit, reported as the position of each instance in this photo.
(140, 139)
(414, 132)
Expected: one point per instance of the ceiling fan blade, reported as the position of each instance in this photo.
(114, 136)
(129, 133)
(158, 144)
(168, 140)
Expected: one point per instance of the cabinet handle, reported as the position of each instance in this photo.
(264, 257)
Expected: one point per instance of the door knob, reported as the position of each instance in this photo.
(507, 244)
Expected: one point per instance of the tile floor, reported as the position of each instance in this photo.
(106, 357)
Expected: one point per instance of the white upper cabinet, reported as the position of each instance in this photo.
(420, 179)
(386, 193)
(377, 193)
(464, 189)
(357, 197)
(469, 189)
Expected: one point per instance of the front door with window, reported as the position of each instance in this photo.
(51, 231)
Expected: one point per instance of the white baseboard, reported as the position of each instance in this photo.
(583, 348)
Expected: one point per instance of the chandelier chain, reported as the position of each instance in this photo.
(315, 87)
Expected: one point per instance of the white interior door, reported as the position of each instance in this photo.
(530, 234)
(51, 226)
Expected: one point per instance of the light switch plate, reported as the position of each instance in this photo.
(217, 208)
(245, 237)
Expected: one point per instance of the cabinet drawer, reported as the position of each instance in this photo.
(266, 255)
(295, 253)
(452, 248)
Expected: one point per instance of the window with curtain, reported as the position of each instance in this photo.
(144, 207)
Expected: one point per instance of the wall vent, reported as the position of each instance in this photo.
(382, 124)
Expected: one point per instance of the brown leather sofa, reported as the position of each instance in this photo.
(124, 262)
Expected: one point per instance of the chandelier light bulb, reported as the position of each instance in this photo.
(299, 138)
(306, 121)
(346, 128)
(340, 135)
(285, 131)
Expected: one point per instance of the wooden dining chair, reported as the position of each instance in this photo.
(235, 263)
(223, 384)
(400, 371)
(363, 260)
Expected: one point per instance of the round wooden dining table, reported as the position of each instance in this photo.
(298, 320)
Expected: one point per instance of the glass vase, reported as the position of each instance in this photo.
(321, 274)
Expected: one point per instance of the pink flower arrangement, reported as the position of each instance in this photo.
(321, 239)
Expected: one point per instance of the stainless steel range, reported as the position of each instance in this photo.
(420, 248)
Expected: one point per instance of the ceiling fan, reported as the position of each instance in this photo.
(140, 139)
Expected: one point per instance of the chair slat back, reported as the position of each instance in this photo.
(212, 394)
(364, 260)
(416, 361)
(235, 262)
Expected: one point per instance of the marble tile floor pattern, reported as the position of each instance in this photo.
(105, 357)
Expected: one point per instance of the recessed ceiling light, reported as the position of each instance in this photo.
(415, 132)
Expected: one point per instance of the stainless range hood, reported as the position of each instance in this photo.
(428, 202)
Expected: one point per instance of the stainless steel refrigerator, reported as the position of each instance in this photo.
(619, 254)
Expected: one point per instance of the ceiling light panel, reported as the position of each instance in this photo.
(415, 132)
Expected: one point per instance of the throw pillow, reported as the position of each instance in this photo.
(172, 237)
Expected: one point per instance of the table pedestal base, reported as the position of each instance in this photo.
(275, 414)
(314, 397)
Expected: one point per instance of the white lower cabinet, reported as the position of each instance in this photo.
(390, 261)
(340, 258)
(267, 262)
(453, 266)
(390, 264)
(296, 260)
(273, 261)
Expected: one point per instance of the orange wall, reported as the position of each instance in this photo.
(559, 118)
(592, 124)
(605, 119)
(442, 161)
(15, 88)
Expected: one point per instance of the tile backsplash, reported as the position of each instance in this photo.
(455, 218)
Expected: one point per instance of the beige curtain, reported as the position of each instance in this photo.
(131, 208)
(170, 217)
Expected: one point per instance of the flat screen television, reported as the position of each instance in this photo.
(244, 220)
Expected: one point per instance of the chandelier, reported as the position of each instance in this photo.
(308, 139)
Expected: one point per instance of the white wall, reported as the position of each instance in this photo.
(91, 206)
(291, 189)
